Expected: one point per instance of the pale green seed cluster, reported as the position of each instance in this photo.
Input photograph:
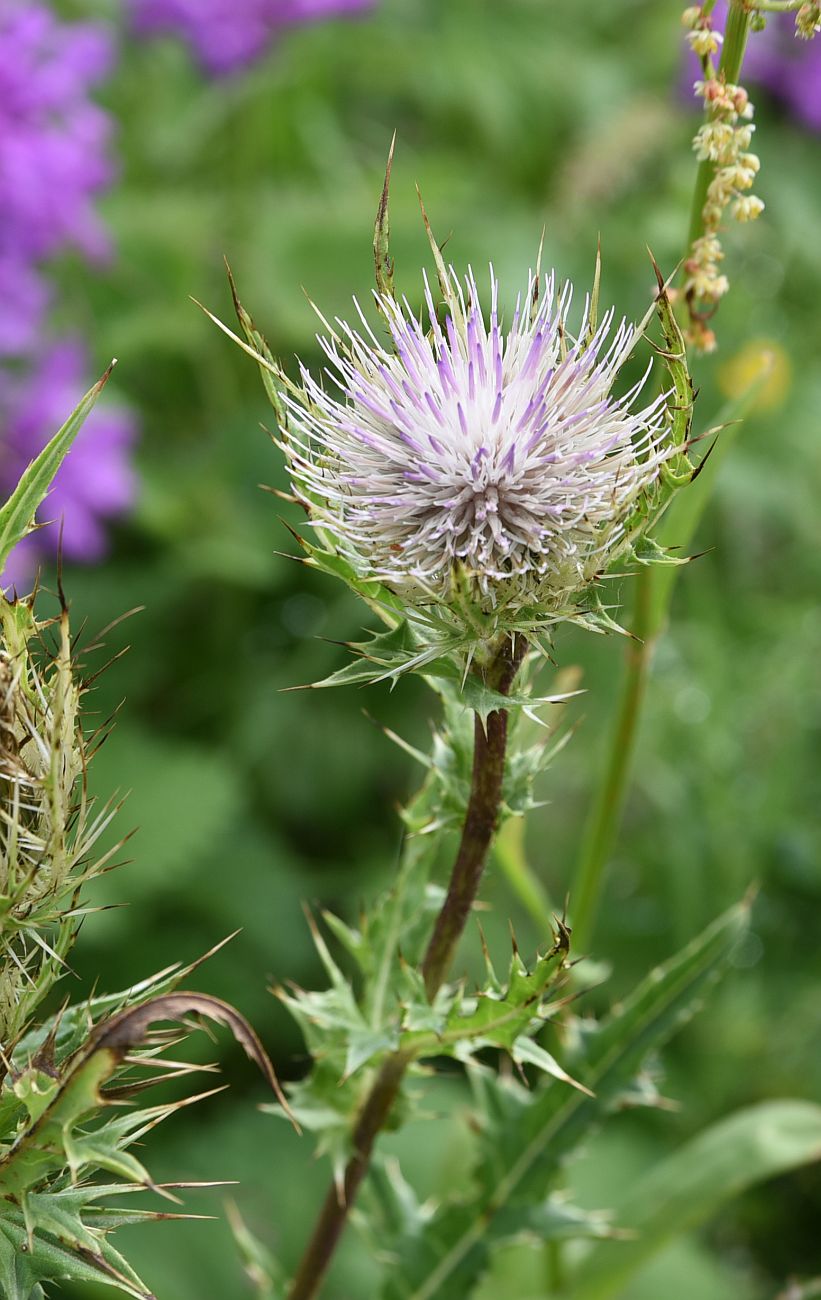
(808, 21)
(723, 139)
(702, 39)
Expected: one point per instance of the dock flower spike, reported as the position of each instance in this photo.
(482, 476)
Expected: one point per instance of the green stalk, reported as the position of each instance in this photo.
(776, 6)
(510, 857)
(653, 589)
(554, 1258)
(605, 815)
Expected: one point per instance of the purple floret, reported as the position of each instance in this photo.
(96, 481)
(228, 34)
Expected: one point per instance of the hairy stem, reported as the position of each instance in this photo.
(489, 748)
(481, 817)
(649, 611)
(338, 1200)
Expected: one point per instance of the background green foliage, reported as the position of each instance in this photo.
(248, 800)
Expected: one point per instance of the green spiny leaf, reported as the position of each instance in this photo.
(381, 235)
(445, 284)
(527, 1136)
(261, 1268)
(17, 515)
(680, 403)
(494, 1018)
(272, 377)
(41, 1149)
(24, 1264)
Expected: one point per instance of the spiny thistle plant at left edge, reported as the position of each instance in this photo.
(67, 1069)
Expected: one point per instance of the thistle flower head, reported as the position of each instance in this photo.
(498, 454)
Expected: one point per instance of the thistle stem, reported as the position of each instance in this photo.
(338, 1200)
(489, 748)
(649, 610)
(481, 817)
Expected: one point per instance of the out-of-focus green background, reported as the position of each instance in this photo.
(511, 117)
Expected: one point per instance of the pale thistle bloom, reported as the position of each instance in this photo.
(473, 457)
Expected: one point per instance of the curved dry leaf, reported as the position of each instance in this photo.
(128, 1028)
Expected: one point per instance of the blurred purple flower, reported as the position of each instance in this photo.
(96, 480)
(53, 162)
(788, 68)
(23, 301)
(227, 34)
(53, 138)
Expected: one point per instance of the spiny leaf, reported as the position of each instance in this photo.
(23, 1265)
(447, 290)
(381, 235)
(527, 1136)
(268, 368)
(396, 1209)
(37, 1152)
(17, 515)
(68, 1029)
(680, 402)
(495, 1018)
(273, 376)
(555, 1219)
(593, 306)
(378, 598)
(261, 1268)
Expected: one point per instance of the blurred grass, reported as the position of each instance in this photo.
(510, 117)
